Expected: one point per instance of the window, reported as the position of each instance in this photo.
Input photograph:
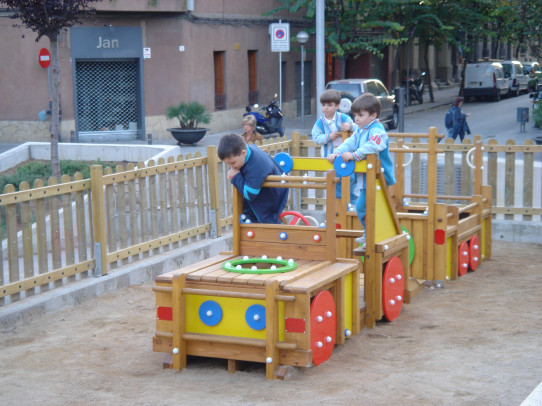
(220, 91)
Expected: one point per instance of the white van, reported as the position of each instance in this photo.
(485, 79)
(518, 81)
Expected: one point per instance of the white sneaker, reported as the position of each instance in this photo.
(360, 240)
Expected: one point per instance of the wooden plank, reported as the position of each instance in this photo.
(67, 216)
(41, 235)
(296, 235)
(179, 322)
(466, 172)
(143, 208)
(121, 211)
(315, 280)
(271, 329)
(11, 237)
(111, 217)
(191, 202)
(202, 199)
(283, 250)
(80, 221)
(153, 204)
(54, 223)
(189, 269)
(171, 185)
(182, 197)
(509, 179)
(133, 212)
(492, 168)
(528, 171)
(28, 250)
(164, 223)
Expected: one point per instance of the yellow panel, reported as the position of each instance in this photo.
(449, 258)
(385, 227)
(348, 301)
(322, 164)
(233, 322)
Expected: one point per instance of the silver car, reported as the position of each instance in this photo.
(352, 88)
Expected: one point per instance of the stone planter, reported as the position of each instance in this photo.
(190, 137)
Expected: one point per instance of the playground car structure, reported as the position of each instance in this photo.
(287, 293)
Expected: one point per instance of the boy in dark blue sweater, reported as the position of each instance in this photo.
(249, 166)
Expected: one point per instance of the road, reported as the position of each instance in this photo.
(492, 120)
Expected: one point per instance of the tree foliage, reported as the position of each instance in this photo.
(47, 18)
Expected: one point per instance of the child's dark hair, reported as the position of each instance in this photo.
(330, 96)
(366, 102)
(458, 101)
(231, 145)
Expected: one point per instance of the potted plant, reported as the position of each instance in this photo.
(189, 116)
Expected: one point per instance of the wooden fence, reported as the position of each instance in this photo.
(67, 231)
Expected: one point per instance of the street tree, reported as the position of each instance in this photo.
(352, 27)
(47, 18)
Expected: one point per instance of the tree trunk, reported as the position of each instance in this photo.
(55, 107)
(426, 61)
(343, 67)
(395, 74)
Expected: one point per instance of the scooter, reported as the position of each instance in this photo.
(269, 122)
(415, 89)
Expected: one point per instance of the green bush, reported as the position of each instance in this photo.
(537, 117)
(33, 170)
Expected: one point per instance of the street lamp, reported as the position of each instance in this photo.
(302, 38)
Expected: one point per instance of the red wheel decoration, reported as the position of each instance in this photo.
(463, 259)
(393, 288)
(323, 327)
(296, 215)
(474, 253)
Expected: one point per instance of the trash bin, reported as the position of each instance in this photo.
(523, 115)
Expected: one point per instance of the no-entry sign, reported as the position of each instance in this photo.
(44, 58)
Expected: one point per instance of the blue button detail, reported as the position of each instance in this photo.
(285, 162)
(210, 313)
(255, 317)
(348, 167)
(283, 236)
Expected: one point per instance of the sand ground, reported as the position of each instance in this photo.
(476, 342)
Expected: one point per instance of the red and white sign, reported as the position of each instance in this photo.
(280, 37)
(44, 58)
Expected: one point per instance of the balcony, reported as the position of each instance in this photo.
(142, 6)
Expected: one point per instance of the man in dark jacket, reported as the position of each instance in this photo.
(249, 166)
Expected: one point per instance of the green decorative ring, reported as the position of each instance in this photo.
(230, 266)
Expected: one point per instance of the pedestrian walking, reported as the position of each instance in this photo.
(456, 121)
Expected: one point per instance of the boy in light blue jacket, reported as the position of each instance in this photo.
(327, 129)
(369, 138)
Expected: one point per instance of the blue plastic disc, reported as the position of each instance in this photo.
(285, 161)
(210, 313)
(255, 317)
(343, 168)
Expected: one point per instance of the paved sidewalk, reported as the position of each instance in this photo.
(441, 97)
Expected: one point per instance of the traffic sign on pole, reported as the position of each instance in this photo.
(44, 58)
(280, 37)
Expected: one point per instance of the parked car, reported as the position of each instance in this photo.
(352, 88)
(518, 81)
(485, 79)
(534, 72)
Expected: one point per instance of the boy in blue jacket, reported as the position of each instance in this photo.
(369, 138)
(326, 131)
(249, 166)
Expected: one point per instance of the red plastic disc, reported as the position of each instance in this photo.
(474, 253)
(323, 327)
(463, 259)
(393, 288)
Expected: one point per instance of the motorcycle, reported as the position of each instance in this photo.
(415, 89)
(270, 122)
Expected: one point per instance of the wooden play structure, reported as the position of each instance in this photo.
(450, 239)
(287, 293)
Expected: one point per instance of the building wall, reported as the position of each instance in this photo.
(170, 76)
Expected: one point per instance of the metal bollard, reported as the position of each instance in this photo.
(149, 139)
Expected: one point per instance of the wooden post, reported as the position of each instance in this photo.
(487, 193)
(26, 225)
(441, 223)
(11, 236)
(331, 229)
(373, 275)
(179, 322)
(478, 165)
(271, 329)
(237, 211)
(212, 177)
(98, 219)
(431, 201)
